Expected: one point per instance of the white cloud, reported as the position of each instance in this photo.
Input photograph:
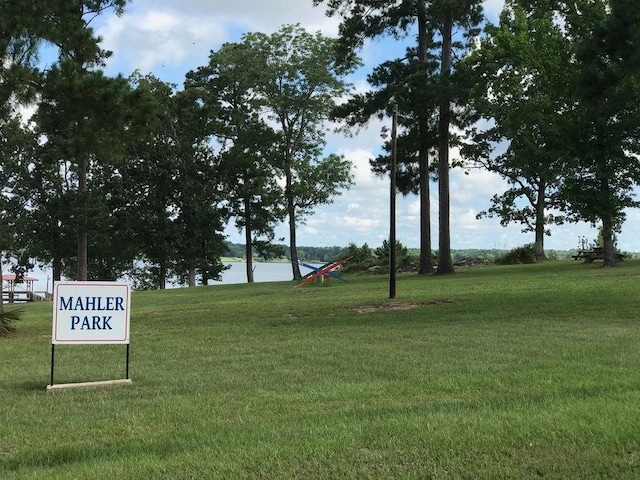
(253, 15)
(170, 33)
(414, 208)
(158, 39)
(477, 187)
(363, 176)
(492, 9)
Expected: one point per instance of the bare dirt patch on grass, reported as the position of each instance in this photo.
(400, 306)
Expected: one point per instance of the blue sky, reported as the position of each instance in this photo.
(170, 37)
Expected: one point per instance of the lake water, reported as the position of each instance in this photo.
(263, 272)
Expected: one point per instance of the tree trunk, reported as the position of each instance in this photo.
(1, 292)
(162, 276)
(445, 264)
(426, 262)
(191, 268)
(540, 220)
(610, 259)
(204, 274)
(83, 236)
(57, 269)
(293, 247)
(248, 239)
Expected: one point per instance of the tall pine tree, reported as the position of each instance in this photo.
(434, 21)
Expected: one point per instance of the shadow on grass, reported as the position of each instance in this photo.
(30, 386)
(67, 455)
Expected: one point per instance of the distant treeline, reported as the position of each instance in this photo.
(305, 254)
(328, 254)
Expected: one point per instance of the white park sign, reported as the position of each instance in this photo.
(91, 313)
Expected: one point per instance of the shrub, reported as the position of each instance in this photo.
(383, 252)
(524, 254)
(6, 320)
(362, 258)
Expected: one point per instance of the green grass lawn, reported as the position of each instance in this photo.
(497, 372)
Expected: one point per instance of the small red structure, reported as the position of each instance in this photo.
(17, 290)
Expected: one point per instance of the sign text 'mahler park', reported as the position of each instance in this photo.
(91, 312)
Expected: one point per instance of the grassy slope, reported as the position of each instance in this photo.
(498, 372)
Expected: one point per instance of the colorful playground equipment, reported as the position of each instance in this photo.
(323, 273)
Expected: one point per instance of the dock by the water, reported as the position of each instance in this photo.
(21, 290)
(18, 296)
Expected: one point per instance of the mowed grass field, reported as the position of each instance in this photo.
(497, 372)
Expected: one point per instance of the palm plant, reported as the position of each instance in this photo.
(7, 318)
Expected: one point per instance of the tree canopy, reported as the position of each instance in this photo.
(130, 176)
(558, 82)
(519, 92)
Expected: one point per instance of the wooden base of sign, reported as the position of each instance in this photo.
(106, 383)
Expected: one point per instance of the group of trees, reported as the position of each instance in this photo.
(132, 176)
(108, 170)
(304, 253)
(547, 99)
(267, 99)
(72, 127)
(115, 176)
(558, 83)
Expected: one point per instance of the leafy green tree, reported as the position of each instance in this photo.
(75, 183)
(321, 254)
(197, 194)
(80, 110)
(148, 178)
(362, 258)
(19, 42)
(234, 250)
(301, 82)
(20, 36)
(228, 88)
(82, 115)
(169, 179)
(605, 114)
(519, 73)
(14, 147)
(40, 201)
(316, 183)
(402, 254)
(445, 15)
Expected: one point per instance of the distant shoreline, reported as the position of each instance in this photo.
(255, 260)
